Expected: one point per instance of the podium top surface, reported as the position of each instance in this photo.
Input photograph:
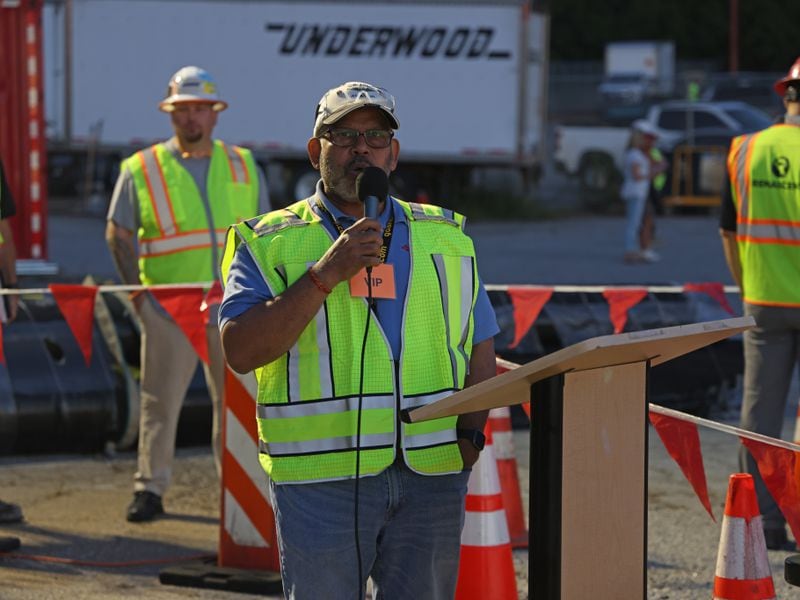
(654, 345)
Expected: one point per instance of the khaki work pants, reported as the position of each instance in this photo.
(168, 363)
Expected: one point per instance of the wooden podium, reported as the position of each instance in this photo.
(588, 462)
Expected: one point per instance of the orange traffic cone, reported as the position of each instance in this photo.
(743, 571)
(487, 566)
(500, 423)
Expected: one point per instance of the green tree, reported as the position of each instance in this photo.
(580, 29)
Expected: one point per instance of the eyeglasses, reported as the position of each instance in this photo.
(347, 138)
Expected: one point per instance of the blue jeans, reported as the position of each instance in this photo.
(634, 213)
(409, 533)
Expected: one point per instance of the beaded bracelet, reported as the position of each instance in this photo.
(318, 282)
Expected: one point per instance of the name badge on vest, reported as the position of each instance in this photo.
(382, 283)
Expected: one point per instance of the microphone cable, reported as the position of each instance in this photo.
(370, 306)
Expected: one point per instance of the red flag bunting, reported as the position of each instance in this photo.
(527, 305)
(682, 442)
(780, 470)
(715, 290)
(620, 302)
(183, 305)
(76, 303)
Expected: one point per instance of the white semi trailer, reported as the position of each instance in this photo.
(469, 77)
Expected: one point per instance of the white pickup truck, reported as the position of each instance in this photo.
(595, 153)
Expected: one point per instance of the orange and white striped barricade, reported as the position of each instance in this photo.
(743, 571)
(500, 423)
(248, 559)
(486, 569)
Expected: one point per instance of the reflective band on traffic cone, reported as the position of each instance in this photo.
(248, 538)
(486, 569)
(500, 423)
(743, 571)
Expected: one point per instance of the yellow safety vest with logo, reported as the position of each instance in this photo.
(308, 398)
(175, 236)
(764, 169)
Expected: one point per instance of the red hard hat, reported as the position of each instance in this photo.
(792, 75)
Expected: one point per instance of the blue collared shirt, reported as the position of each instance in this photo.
(246, 287)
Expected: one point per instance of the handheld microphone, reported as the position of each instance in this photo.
(372, 186)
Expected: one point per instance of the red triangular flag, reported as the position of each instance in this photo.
(779, 470)
(214, 296)
(76, 303)
(183, 305)
(620, 301)
(715, 290)
(527, 305)
(682, 442)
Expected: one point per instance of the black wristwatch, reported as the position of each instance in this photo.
(475, 437)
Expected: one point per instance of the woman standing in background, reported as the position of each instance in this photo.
(638, 171)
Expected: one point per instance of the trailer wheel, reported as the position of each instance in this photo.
(599, 180)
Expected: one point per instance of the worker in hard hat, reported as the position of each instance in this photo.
(166, 224)
(760, 229)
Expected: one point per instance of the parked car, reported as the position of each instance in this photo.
(625, 88)
(753, 88)
(595, 153)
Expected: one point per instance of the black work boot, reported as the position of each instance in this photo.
(145, 507)
(8, 544)
(10, 513)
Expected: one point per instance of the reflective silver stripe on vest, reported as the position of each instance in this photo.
(741, 172)
(423, 400)
(290, 220)
(785, 232)
(467, 286)
(176, 243)
(238, 168)
(324, 366)
(376, 440)
(467, 291)
(322, 407)
(425, 440)
(158, 191)
(419, 214)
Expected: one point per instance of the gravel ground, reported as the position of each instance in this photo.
(74, 509)
(74, 505)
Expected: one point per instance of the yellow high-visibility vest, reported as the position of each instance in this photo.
(764, 170)
(308, 398)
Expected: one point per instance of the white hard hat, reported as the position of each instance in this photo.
(192, 84)
(645, 127)
(344, 99)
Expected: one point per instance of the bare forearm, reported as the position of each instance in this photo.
(267, 331)
(123, 252)
(481, 367)
(730, 248)
(8, 254)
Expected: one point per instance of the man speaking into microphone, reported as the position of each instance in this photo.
(348, 318)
